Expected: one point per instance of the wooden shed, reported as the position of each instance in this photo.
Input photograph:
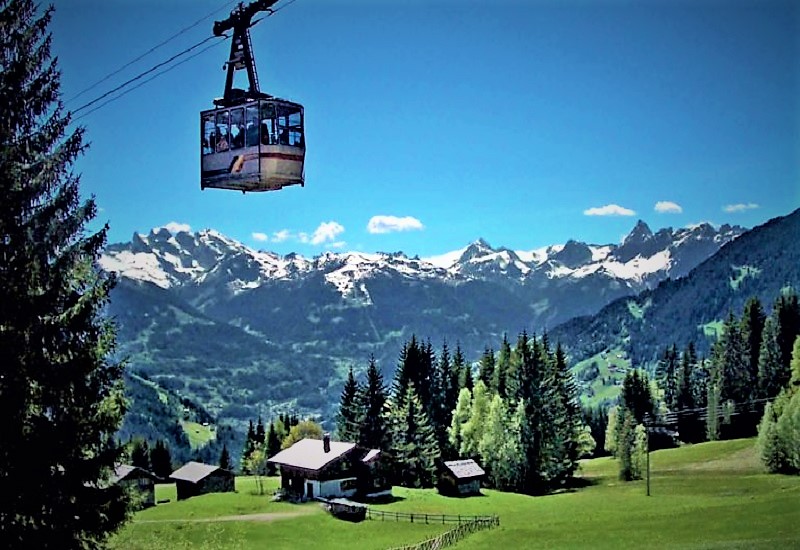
(460, 478)
(196, 478)
(141, 482)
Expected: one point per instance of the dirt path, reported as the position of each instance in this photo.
(268, 516)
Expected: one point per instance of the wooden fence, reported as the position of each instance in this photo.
(454, 535)
(380, 515)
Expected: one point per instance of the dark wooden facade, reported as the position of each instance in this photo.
(195, 479)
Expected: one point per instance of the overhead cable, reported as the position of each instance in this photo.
(151, 50)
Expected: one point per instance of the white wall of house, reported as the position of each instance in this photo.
(345, 487)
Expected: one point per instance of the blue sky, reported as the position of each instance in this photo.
(432, 123)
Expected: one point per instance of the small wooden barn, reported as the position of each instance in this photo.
(323, 468)
(196, 478)
(460, 478)
(142, 482)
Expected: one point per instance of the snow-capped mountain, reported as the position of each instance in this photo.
(225, 324)
(208, 257)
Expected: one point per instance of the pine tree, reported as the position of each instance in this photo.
(249, 446)
(140, 454)
(502, 367)
(463, 369)
(729, 357)
(685, 397)
(667, 374)
(486, 368)
(61, 398)
(787, 312)
(350, 415)
(413, 442)
(374, 430)
(260, 434)
(752, 329)
(225, 459)
(273, 444)
(161, 460)
(565, 417)
(772, 374)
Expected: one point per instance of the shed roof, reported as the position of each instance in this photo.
(309, 454)
(122, 471)
(463, 469)
(194, 471)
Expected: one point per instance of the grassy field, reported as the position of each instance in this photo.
(612, 365)
(198, 434)
(713, 495)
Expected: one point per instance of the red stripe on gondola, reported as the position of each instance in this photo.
(282, 156)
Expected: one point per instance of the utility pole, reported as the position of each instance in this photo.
(647, 431)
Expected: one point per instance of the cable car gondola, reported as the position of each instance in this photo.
(251, 141)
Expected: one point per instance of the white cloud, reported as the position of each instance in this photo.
(175, 227)
(326, 232)
(391, 224)
(281, 236)
(668, 207)
(609, 210)
(741, 207)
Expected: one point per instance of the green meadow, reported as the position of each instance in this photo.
(711, 495)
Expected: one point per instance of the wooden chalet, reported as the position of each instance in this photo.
(329, 469)
(460, 478)
(196, 478)
(141, 482)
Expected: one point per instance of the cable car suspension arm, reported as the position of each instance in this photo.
(241, 57)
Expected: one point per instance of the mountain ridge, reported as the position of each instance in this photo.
(235, 329)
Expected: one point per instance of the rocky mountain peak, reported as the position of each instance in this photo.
(640, 234)
(476, 250)
(573, 254)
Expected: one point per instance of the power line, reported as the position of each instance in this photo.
(159, 65)
(139, 85)
(145, 73)
(151, 50)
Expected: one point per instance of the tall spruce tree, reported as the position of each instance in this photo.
(225, 458)
(667, 375)
(374, 430)
(350, 415)
(463, 369)
(730, 357)
(772, 374)
(260, 434)
(273, 444)
(161, 459)
(502, 366)
(787, 313)
(486, 368)
(752, 329)
(414, 446)
(140, 454)
(61, 398)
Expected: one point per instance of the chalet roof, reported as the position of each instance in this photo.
(463, 469)
(309, 454)
(122, 471)
(194, 471)
(371, 455)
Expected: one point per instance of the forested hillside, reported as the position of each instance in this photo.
(758, 264)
